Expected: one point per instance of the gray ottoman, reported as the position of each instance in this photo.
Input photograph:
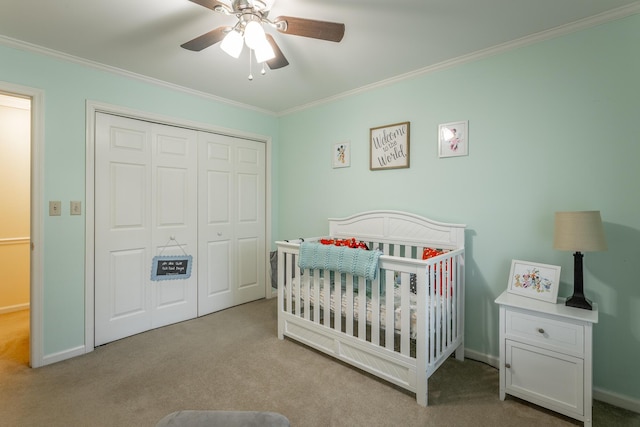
(223, 419)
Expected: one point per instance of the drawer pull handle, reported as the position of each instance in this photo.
(507, 365)
(540, 330)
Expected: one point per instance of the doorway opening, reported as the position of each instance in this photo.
(15, 184)
(21, 127)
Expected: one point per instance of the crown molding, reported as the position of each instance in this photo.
(592, 21)
(29, 47)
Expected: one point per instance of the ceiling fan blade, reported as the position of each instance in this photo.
(206, 40)
(209, 4)
(279, 61)
(323, 30)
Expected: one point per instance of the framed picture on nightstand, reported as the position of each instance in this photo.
(534, 280)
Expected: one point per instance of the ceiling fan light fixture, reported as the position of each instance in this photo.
(251, 17)
(254, 35)
(232, 44)
(264, 52)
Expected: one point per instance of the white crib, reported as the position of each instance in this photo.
(368, 328)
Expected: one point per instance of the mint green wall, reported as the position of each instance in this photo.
(67, 86)
(551, 126)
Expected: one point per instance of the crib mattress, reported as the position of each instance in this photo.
(369, 309)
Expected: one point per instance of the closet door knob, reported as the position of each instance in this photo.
(507, 365)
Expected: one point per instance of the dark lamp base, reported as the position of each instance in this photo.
(578, 301)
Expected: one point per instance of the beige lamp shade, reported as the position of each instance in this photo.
(579, 232)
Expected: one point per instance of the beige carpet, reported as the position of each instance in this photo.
(232, 360)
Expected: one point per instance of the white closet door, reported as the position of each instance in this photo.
(231, 219)
(174, 214)
(146, 193)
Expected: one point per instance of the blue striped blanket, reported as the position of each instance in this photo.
(359, 262)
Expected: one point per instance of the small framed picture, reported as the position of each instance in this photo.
(534, 280)
(453, 139)
(341, 155)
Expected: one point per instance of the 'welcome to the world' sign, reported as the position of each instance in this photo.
(389, 146)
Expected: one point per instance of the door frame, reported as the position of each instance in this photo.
(36, 288)
(91, 108)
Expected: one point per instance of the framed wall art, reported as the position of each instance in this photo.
(389, 146)
(341, 155)
(534, 280)
(453, 139)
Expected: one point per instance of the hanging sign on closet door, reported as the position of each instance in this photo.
(171, 267)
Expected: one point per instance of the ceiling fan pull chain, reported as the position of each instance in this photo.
(250, 75)
(264, 70)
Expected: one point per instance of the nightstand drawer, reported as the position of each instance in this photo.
(548, 332)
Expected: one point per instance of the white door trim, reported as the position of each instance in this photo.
(91, 108)
(36, 342)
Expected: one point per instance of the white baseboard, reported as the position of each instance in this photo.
(12, 308)
(481, 357)
(602, 395)
(63, 355)
(616, 399)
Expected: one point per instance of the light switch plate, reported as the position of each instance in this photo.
(75, 208)
(55, 208)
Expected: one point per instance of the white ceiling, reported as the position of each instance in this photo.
(383, 40)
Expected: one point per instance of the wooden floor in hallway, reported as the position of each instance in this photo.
(14, 340)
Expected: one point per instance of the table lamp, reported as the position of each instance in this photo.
(578, 232)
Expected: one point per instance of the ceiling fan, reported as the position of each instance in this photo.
(251, 15)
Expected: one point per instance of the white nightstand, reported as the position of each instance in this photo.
(546, 354)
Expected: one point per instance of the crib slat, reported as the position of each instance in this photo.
(455, 297)
(389, 321)
(375, 311)
(421, 334)
(446, 295)
(349, 308)
(448, 284)
(302, 294)
(282, 297)
(288, 281)
(432, 313)
(405, 312)
(385, 248)
(438, 309)
(362, 308)
(327, 297)
(316, 296)
(337, 302)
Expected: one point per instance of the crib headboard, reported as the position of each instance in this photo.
(398, 227)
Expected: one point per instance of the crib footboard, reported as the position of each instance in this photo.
(401, 326)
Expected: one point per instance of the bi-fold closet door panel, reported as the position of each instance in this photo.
(145, 205)
(231, 217)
